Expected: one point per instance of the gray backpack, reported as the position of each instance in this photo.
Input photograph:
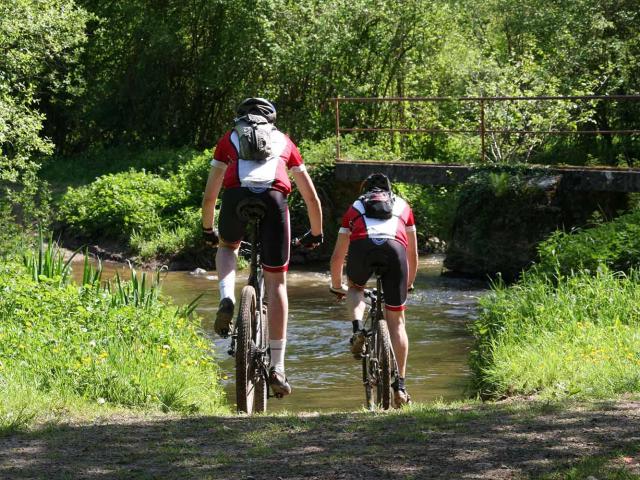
(378, 204)
(254, 137)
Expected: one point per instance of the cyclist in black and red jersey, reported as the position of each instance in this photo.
(378, 228)
(244, 174)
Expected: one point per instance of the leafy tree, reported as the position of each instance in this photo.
(38, 41)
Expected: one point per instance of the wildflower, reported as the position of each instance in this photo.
(101, 401)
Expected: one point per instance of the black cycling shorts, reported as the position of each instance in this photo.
(365, 254)
(275, 234)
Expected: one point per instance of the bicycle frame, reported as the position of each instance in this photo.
(249, 343)
(256, 280)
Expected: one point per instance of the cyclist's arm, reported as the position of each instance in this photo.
(412, 255)
(337, 259)
(211, 191)
(311, 200)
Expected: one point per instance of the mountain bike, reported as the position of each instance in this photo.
(379, 366)
(249, 343)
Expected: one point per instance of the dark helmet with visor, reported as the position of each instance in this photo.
(257, 106)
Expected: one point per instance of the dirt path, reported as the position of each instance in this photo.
(500, 441)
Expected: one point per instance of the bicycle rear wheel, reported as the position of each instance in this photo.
(247, 375)
(383, 347)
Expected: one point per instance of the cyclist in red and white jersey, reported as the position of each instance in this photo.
(366, 242)
(268, 181)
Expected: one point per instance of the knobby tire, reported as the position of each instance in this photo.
(262, 387)
(383, 344)
(366, 380)
(246, 375)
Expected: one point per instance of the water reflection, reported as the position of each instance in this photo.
(320, 368)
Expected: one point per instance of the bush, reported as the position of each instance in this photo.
(84, 168)
(351, 148)
(615, 244)
(181, 235)
(154, 215)
(433, 208)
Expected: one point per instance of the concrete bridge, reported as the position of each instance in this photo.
(594, 179)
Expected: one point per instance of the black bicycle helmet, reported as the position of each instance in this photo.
(257, 106)
(376, 180)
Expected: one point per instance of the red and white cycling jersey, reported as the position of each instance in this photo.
(360, 226)
(258, 175)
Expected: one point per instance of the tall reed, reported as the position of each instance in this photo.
(142, 290)
(46, 261)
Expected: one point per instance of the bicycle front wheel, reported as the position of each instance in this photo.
(262, 387)
(247, 375)
(383, 347)
(367, 381)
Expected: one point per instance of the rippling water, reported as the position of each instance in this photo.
(322, 372)
(320, 368)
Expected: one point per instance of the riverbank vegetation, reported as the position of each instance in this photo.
(65, 346)
(571, 325)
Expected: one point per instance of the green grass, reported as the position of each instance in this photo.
(601, 467)
(572, 336)
(75, 345)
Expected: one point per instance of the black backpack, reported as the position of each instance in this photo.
(254, 137)
(378, 204)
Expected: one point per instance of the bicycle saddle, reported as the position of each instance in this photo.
(251, 209)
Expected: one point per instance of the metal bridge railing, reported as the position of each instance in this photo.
(482, 129)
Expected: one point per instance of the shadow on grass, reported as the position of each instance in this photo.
(478, 441)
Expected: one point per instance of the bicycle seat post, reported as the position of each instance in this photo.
(379, 269)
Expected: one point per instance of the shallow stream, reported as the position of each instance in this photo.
(320, 368)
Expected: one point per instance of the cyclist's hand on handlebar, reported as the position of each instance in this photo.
(308, 240)
(340, 292)
(210, 236)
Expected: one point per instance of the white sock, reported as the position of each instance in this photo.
(227, 287)
(226, 267)
(277, 348)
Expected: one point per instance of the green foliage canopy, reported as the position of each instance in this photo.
(39, 41)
